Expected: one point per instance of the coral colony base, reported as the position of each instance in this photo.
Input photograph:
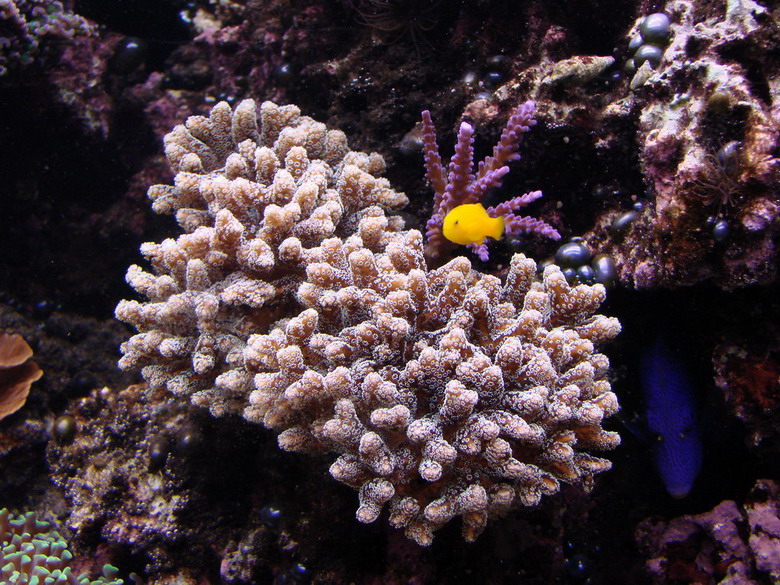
(442, 392)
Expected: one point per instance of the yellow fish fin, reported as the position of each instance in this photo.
(498, 228)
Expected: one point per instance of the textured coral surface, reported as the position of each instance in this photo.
(486, 393)
(672, 173)
(446, 393)
(122, 442)
(33, 551)
(252, 197)
(732, 543)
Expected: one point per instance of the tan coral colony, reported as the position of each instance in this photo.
(442, 392)
(252, 200)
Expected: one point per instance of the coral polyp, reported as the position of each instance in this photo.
(718, 183)
(33, 552)
(400, 18)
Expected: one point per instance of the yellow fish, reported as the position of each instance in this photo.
(471, 224)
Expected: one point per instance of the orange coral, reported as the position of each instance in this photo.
(17, 373)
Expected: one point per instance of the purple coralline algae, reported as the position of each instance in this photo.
(461, 185)
(732, 544)
(748, 374)
(708, 139)
(696, 142)
(127, 479)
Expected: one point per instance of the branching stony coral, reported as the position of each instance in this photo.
(444, 393)
(32, 552)
(253, 201)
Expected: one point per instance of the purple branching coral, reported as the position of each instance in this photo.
(462, 186)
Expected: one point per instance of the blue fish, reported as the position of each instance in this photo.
(672, 417)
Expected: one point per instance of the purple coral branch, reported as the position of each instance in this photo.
(515, 225)
(460, 177)
(434, 170)
(433, 235)
(507, 207)
(505, 151)
(461, 185)
(480, 250)
(488, 181)
(525, 224)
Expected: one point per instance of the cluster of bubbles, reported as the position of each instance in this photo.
(649, 44)
(622, 223)
(272, 517)
(579, 266)
(489, 77)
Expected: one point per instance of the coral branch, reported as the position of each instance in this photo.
(292, 299)
(462, 186)
(255, 198)
(434, 170)
(441, 393)
(460, 177)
